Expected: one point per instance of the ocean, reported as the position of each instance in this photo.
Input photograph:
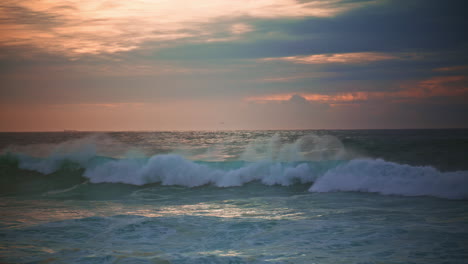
(292, 196)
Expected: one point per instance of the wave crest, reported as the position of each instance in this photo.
(320, 160)
(175, 170)
(366, 175)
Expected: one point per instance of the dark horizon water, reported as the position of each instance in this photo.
(276, 196)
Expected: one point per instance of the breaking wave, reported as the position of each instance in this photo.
(363, 175)
(319, 161)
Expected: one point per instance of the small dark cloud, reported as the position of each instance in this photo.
(297, 99)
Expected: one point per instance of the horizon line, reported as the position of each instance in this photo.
(221, 130)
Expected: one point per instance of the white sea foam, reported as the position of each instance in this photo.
(175, 170)
(366, 175)
(363, 175)
(303, 161)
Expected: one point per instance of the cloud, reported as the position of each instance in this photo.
(241, 28)
(345, 58)
(439, 86)
(311, 97)
(290, 78)
(94, 27)
(460, 68)
(297, 99)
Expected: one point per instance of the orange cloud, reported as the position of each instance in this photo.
(446, 86)
(441, 86)
(296, 77)
(322, 98)
(79, 27)
(453, 68)
(344, 58)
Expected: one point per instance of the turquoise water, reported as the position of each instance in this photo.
(235, 197)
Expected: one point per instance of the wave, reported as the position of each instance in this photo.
(362, 175)
(321, 161)
(389, 178)
(175, 170)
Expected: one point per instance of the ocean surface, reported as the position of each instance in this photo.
(301, 196)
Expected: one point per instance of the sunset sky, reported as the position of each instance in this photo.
(232, 64)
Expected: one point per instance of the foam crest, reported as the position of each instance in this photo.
(322, 159)
(366, 175)
(175, 170)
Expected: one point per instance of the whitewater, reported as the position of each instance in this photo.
(344, 196)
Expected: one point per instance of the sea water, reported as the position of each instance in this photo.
(344, 196)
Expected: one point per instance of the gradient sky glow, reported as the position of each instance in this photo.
(224, 64)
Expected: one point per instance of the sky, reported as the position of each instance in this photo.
(148, 65)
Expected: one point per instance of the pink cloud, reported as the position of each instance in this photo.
(453, 68)
(300, 76)
(97, 27)
(311, 97)
(447, 86)
(441, 86)
(344, 58)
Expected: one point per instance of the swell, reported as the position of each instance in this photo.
(363, 175)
